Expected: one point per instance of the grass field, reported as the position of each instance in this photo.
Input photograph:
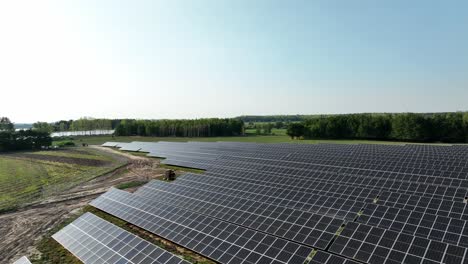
(76, 153)
(19, 179)
(29, 176)
(98, 140)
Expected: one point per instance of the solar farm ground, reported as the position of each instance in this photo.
(47, 250)
(30, 176)
(24, 225)
(284, 203)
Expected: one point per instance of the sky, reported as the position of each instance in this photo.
(154, 59)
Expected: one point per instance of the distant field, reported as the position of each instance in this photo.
(29, 176)
(97, 140)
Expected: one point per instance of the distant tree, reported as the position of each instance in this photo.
(89, 125)
(409, 127)
(381, 126)
(279, 125)
(43, 127)
(209, 127)
(275, 118)
(295, 130)
(258, 129)
(455, 128)
(6, 140)
(465, 125)
(6, 124)
(62, 125)
(267, 128)
(24, 140)
(263, 128)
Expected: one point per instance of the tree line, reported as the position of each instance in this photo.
(207, 127)
(11, 140)
(274, 118)
(82, 124)
(443, 127)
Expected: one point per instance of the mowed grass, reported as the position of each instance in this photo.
(278, 138)
(81, 154)
(29, 176)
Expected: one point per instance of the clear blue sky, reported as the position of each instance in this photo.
(188, 59)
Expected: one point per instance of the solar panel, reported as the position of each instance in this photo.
(130, 148)
(302, 227)
(327, 155)
(398, 203)
(431, 205)
(327, 205)
(322, 257)
(218, 240)
(94, 240)
(315, 183)
(281, 160)
(379, 181)
(22, 260)
(440, 228)
(110, 144)
(378, 245)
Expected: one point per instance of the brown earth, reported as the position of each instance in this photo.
(22, 228)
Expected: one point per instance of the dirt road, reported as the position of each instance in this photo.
(21, 229)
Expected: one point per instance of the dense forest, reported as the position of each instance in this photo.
(275, 118)
(443, 127)
(424, 127)
(209, 127)
(82, 124)
(11, 140)
(298, 118)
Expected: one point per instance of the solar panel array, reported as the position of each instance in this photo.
(94, 240)
(296, 203)
(211, 237)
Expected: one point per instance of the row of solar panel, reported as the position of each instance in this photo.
(333, 172)
(229, 204)
(441, 191)
(451, 230)
(425, 201)
(296, 156)
(299, 226)
(216, 239)
(445, 171)
(290, 198)
(94, 240)
(205, 234)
